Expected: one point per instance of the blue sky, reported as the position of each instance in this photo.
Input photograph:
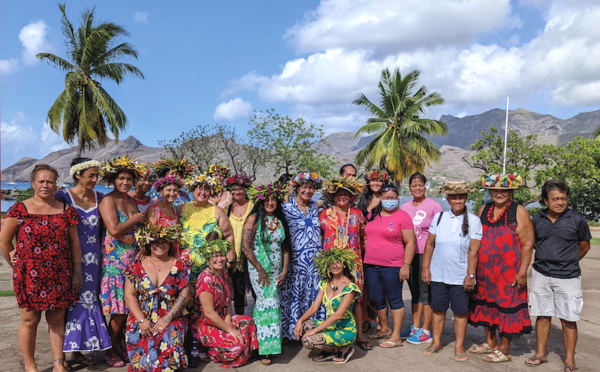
(208, 62)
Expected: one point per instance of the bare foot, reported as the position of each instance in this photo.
(59, 365)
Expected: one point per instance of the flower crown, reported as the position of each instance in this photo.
(377, 175)
(305, 177)
(147, 234)
(219, 246)
(237, 180)
(218, 168)
(325, 258)
(202, 179)
(112, 167)
(161, 183)
(352, 184)
(502, 181)
(263, 192)
(178, 165)
(78, 168)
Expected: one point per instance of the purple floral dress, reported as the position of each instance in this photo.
(85, 329)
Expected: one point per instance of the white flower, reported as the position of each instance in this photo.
(91, 221)
(93, 343)
(91, 239)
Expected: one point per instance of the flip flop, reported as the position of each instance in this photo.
(481, 349)
(572, 368)
(391, 343)
(377, 335)
(364, 345)
(461, 357)
(323, 356)
(114, 362)
(344, 356)
(431, 351)
(528, 361)
(497, 357)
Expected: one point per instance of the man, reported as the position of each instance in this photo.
(348, 170)
(562, 239)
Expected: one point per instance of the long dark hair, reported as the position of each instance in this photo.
(259, 210)
(465, 224)
(365, 199)
(347, 273)
(377, 210)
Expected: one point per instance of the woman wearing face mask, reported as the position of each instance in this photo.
(372, 195)
(388, 255)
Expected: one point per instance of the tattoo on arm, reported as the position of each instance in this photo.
(179, 305)
(247, 241)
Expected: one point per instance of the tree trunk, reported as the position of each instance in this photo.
(79, 143)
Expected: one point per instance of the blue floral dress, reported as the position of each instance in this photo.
(302, 283)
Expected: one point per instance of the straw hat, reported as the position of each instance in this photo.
(455, 188)
(350, 184)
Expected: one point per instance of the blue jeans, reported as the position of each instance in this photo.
(384, 282)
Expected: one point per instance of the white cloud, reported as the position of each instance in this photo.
(52, 141)
(232, 110)
(9, 66)
(33, 38)
(141, 17)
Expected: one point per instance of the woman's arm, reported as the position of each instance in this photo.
(10, 227)
(473, 257)
(248, 236)
(312, 310)
(526, 235)
(409, 238)
(151, 215)
(427, 254)
(227, 231)
(208, 307)
(132, 303)
(344, 305)
(108, 212)
(76, 257)
(285, 251)
(175, 311)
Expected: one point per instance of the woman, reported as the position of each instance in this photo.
(178, 167)
(389, 253)
(372, 196)
(46, 265)
(421, 210)
(302, 216)
(221, 173)
(120, 215)
(230, 339)
(504, 257)
(449, 264)
(163, 212)
(85, 325)
(237, 212)
(337, 292)
(343, 227)
(198, 218)
(143, 186)
(266, 245)
(157, 291)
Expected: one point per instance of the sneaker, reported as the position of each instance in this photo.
(420, 337)
(407, 332)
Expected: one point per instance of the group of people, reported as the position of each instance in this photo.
(172, 272)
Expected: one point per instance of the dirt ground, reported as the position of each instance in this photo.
(406, 358)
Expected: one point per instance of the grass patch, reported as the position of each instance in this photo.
(8, 293)
(4, 280)
(595, 241)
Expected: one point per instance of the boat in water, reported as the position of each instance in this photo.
(10, 194)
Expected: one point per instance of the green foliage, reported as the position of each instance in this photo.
(399, 145)
(25, 194)
(84, 110)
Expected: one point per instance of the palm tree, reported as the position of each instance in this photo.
(596, 134)
(84, 110)
(399, 145)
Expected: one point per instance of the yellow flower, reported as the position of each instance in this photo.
(154, 317)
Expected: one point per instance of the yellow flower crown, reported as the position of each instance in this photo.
(203, 180)
(351, 184)
(112, 167)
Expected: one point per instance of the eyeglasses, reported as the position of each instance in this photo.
(389, 187)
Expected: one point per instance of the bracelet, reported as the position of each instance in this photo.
(230, 262)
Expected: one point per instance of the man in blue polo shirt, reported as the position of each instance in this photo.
(562, 238)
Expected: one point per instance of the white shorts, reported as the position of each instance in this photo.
(555, 297)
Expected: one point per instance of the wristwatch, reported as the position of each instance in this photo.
(142, 321)
(472, 276)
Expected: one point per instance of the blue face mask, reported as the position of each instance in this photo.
(389, 205)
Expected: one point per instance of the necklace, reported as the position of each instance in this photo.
(343, 241)
(335, 287)
(490, 215)
(154, 260)
(272, 223)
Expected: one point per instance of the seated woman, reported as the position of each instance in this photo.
(230, 339)
(156, 292)
(334, 335)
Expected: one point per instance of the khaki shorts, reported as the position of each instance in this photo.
(555, 297)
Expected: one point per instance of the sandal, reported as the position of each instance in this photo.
(497, 356)
(265, 360)
(481, 349)
(531, 362)
(114, 362)
(364, 345)
(390, 344)
(572, 368)
(345, 357)
(378, 335)
(431, 351)
(366, 326)
(323, 356)
(461, 357)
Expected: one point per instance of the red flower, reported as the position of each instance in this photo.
(231, 180)
(511, 176)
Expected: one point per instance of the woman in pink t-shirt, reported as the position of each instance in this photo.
(389, 251)
(421, 210)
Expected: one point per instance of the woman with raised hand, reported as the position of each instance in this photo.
(220, 172)
(337, 293)
(85, 325)
(121, 216)
(421, 209)
(449, 264)
(178, 167)
(230, 339)
(157, 291)
(504, 256)
(46, 263)
(302, 216)
(266, 244)
(237, 212)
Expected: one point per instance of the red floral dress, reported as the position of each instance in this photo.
(43, 272)
(222, 347)
(499, 305)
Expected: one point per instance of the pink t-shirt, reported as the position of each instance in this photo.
(385, 246)
(422, 215)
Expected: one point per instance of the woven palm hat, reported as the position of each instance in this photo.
(456, 188)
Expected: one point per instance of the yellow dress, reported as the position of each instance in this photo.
(238, 225)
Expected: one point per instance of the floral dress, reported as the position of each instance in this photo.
(302, 284)
(119, 254)
(267, 312)
(222, 347)
(164, 351)
(196, 223)
(85, 329)
(349, 233)
(341, 333)
(43, 272)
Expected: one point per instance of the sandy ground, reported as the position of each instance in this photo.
(407, 358)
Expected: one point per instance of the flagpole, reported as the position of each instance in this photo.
(505, 136)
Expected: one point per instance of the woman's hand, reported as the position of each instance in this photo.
(298, 330)
(235, 333)
(263, 278)
(77, 281)
(13, 257)
(520, 280)
(426, 275)
(160, 326)
(281, 278)
(309, 333)
(139, 218)
(468, 283)
(145, 328)
(404, 272)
